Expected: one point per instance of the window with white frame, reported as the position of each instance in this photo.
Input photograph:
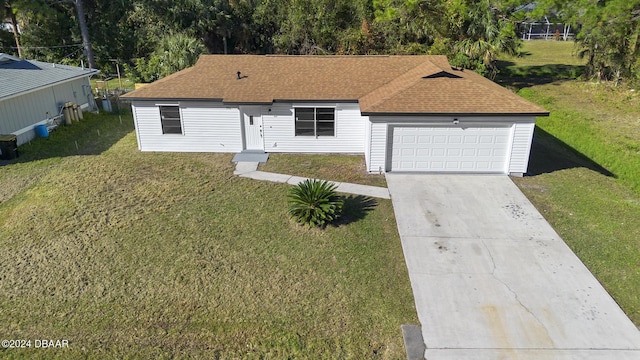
(315, 121)
(170, 120)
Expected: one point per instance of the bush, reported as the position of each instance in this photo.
(173, 53)
(314, 202)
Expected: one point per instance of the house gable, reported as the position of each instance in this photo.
(442, 74)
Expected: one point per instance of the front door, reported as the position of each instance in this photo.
(253, 130)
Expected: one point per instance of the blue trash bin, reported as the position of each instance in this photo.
(42, 131)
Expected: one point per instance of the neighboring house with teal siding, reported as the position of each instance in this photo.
(32, 92)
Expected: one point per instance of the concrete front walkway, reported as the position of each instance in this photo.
(250, 170)
(492, 279)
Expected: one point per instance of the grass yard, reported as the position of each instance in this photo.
(541, 53)
(541, 62)
(336, 167)
(168, 255)
(585, 167)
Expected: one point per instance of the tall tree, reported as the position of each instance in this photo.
(115, 34)
(608, 36)
(319, 26)
(86, 39)
(50, 28)
(609, 39)
(11, 14)
(411, 26)
(471, 32)
(481, 31)
(209, 20)
(173, 53)
(49, 31)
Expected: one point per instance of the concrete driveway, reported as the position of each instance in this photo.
(492, 279)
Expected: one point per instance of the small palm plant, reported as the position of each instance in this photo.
(314, 202)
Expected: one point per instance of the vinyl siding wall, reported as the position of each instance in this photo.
(279, 130)
(378, 152)
(18, 115)
(215, 127)
(518, 149)
(367, 143)
(206, 127)
(521, 146)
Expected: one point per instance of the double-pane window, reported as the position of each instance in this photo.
(315, 121)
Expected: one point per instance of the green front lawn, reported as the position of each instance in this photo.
(334, 167)
(585, 167)
(600, 220)
(168, 255)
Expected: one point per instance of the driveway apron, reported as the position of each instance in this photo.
(492, 280)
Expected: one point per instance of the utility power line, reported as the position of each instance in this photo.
(43, 47)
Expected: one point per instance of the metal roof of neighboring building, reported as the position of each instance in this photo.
(19, 76)
(411, 84)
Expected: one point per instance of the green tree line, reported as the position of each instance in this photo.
(154, 38)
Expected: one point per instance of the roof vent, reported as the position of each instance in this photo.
(442, 74)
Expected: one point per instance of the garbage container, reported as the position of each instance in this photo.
(106, 104)
(41, 131)
(8, 147)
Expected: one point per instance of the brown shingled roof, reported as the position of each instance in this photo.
(381, 84)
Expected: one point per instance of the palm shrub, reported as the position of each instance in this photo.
(314, 202)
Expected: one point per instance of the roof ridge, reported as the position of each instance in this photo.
(6, 57)
(177, 74)
(328, 56)
(488, 84)
(46, 65)
(402, 82)
(475, 83)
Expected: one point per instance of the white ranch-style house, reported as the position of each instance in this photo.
(404, 113)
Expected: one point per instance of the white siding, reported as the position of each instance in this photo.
(215, 127)
(146, 118)
(206, 127)
(521, 146)
(279, 130)
(367, 143)
(18, 115)
(378, 156)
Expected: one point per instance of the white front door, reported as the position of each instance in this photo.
(253, 136)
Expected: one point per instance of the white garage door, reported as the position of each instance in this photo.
(450, 149)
